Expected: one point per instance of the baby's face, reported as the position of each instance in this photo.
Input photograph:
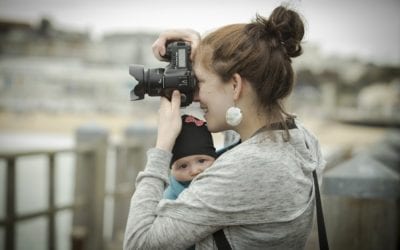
(186, 168)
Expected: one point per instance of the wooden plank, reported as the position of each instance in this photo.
(10, 205)
(15, 154)
(354, 224)
(41, 213)
(52, 223)
(90, 186)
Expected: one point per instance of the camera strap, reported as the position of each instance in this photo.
(221, 241)
(223, 244)
(323, 239)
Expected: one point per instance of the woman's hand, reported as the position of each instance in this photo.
(188, 35)
(169, 121)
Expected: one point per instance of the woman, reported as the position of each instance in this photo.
(260, 193)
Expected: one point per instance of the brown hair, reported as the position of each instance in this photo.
(260, 52)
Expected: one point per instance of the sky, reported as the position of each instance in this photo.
(367, 29)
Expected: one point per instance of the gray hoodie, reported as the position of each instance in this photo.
(260, 192)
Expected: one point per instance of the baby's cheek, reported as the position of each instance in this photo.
(182, 175)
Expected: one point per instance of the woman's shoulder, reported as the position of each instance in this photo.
(241, 150)
(248, 155)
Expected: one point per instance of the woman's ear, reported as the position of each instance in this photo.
(237, 84)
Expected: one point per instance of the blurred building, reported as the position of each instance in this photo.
(46, 68)
(24, 39)
(43, 68)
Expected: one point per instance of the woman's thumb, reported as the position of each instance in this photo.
(176, 99)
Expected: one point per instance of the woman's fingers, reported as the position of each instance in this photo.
(170, 106)
(158, 48)
(188, 35)
(176, 101)
(169, 121)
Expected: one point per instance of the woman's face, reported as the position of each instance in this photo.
(215, 98)
(186, 168)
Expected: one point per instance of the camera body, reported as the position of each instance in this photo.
(178, 74)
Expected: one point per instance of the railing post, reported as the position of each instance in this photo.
(10, 209)
(52, 213)
(362, 198)
(90, 187)
(138, 139)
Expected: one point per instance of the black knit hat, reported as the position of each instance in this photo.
(194, 139)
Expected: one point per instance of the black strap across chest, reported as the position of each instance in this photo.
(221, 241)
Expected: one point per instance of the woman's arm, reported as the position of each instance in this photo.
(146, 230)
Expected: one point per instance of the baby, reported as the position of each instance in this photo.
(193, 152)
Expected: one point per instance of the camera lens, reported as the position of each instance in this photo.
(138, 91)
(149, 81)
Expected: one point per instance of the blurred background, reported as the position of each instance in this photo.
(64, 78)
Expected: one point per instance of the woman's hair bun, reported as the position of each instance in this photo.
(286, 26)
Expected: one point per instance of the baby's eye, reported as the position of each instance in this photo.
(202, 160)
(183, 166)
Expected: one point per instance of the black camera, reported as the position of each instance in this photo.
(177, 74)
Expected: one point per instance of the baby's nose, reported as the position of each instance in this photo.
(196, 170)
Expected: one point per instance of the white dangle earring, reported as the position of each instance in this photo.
(233, 116)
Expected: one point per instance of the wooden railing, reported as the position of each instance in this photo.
(88, 207)
(92, 155)
(12, 217)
